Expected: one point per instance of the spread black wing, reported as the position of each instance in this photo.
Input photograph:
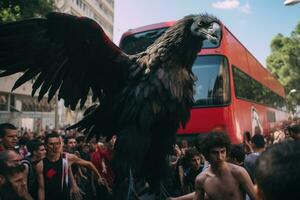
(62, 52)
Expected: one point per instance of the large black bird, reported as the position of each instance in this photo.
(144, 98)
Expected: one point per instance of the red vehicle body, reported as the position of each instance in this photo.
(234, 92)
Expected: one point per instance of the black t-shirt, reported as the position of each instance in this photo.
(53, 175)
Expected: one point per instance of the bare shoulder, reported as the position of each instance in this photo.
(39, 167)
(200, 179)
(237, 171)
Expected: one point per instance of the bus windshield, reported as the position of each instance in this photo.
(138, 42)
(212, 86)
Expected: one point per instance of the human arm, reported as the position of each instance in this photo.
(40, 180)
(104, 170)
(27, 197)
(181, 175)
(246, 182)
(189, 196)
(26, 171)
(199, 190)
(75, 159)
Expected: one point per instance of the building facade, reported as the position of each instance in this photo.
(19, 108)
(101, 11)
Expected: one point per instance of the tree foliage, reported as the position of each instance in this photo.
(12, 10)
(284, 62)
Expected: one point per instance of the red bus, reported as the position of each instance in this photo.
(233, 93)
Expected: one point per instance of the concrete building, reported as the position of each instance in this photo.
(19, 108)
(100, 10)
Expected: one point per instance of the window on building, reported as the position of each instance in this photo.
(3, 102)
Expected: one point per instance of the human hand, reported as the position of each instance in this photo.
(108, 188)
(76, 193)
(101, 181)
(104, 170)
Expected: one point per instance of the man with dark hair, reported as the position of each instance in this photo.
(53, 171)
(71, 144)
(37, 150)
(8, 136)
(258, 145)
(37, 153)
(277, 172)
(195, 168)
(212, 140)
(294, 131)
(221, 180)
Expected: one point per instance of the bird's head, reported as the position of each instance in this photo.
(206, 27)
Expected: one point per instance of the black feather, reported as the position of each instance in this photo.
(28, 75)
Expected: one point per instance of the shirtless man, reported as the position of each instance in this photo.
(221, 180)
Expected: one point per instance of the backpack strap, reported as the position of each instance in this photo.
(65, 170)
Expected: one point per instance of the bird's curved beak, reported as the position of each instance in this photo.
(214, 33)
(211, 33)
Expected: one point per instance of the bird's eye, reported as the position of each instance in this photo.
(200, 23)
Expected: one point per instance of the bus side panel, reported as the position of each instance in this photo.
(241, 115)
(205, 120)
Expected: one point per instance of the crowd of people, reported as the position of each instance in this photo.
(52, 166)
(262, 167)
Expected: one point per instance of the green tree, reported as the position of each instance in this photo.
(12, 10)
(284, 62)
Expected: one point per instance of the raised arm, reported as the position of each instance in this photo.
(75, 159)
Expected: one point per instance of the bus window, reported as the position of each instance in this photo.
(212, 86)
(139, 42)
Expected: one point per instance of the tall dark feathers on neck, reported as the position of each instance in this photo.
(177, 44)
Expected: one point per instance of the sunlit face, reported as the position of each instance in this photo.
(18, 183)
(54, 145)
(13, 159)
(10, 139)
(40, 153)
(217, 155)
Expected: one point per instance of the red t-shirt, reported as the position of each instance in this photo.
(97, 157)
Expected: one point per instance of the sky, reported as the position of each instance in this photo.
(253, 22)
